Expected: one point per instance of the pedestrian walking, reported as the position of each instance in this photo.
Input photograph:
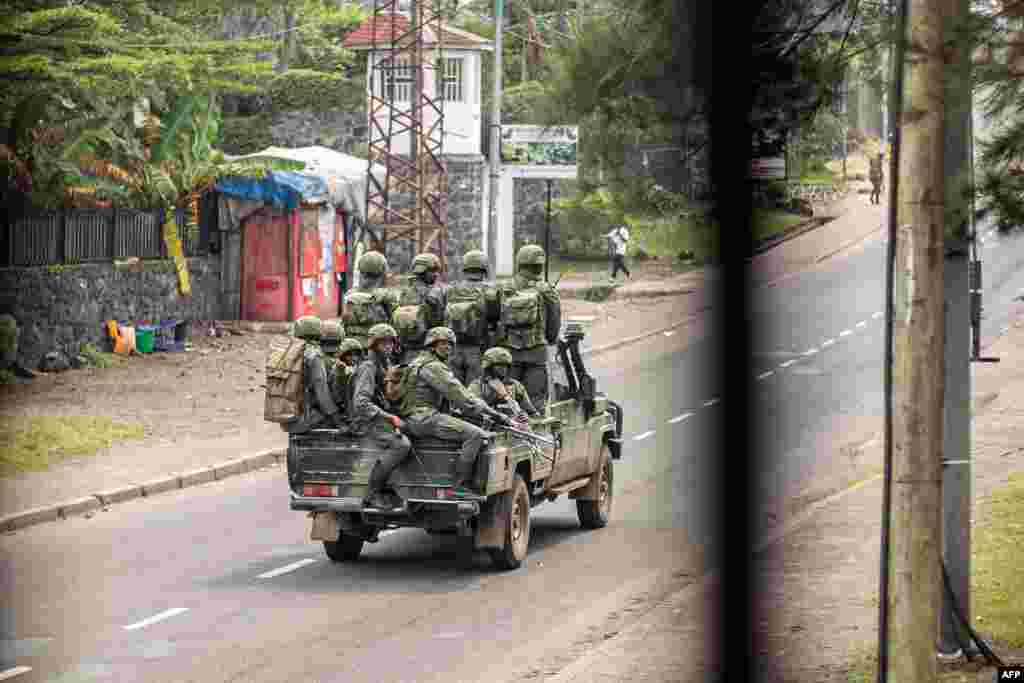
(618, 238)
(875, 175)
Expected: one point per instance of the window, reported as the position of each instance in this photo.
(451, 80)
(395, 80)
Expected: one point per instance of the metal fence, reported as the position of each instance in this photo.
(93, 235)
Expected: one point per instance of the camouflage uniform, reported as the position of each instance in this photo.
(528, 346)
(465, 358)
(370, 303)
(341, 378)
(432, 389)
(369, 415)
(487, 388)
(319, 408)
(421, 291)
(331, 334)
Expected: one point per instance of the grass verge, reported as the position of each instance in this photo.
(35, 443)
(770, 222)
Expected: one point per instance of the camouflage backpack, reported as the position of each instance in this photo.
(465, 312)
(410, 318)
(522, 318)
(363, 310)
(285, 381)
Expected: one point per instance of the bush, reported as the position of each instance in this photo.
(7, 377)
(310, 90)
(98, 359)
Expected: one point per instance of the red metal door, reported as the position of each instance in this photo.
(265, 267)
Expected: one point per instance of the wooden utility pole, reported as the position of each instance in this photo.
(918, 362)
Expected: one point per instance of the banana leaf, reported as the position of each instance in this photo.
(174, 123)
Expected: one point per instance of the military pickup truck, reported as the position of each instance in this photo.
(571, 452)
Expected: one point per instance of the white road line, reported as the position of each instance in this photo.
(877, 314)
(845, 333)
(862, 323)
(679, 418)
(810, 352)
(287, 568)
(16, 671)
(766, 375)
(708, 404)
(155, 618)
(828, 342)
(786, 364)
(640, 437)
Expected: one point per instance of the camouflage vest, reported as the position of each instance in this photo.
(410, 316)
(418, 394)
(523, 317)
(465, 313)
(364, 309)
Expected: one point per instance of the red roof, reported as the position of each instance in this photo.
(362, 37)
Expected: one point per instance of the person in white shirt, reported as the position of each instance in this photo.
(618, 238)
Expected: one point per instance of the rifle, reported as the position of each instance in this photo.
(530, 436)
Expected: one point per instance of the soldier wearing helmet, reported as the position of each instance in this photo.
(319, 408)
(372, 417)
(370, 303)
(497, 389)
(432, 389)
(331, 334)
(420, 306)
(531, 316)
(348, 358)
(471, 310)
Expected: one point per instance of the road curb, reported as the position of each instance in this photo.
(86, 504)
(604, 348)
(846, 245)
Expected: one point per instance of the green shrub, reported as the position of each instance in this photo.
(7, 377)
(310, 90)
(8, 336)
(98, 359)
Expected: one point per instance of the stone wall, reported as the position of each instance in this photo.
(530, 212)
(63, 309)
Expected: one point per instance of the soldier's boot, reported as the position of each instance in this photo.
(375, 497)
(464, 480)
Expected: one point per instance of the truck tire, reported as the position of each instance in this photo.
(515, 511)
(594, 514)
(345, 549)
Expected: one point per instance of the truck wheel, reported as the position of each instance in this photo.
(345, 549)
(515, 509)
(594, 514)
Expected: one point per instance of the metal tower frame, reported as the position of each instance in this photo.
(422, 173)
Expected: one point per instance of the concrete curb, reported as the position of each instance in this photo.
(604, 348)
(104, 499)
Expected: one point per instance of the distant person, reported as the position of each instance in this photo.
(875, 176)
(618, 238)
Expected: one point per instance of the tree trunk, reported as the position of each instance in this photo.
(919, 339)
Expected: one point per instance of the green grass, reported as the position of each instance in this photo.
(997, 583)
(820, 178)
(770, 222)
(35, 443)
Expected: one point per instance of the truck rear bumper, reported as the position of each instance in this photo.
(461, 509)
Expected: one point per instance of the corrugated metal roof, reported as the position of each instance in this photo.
(455, 38)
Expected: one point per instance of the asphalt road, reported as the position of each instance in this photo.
(218, 582)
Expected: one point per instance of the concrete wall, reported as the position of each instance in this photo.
(61, 310)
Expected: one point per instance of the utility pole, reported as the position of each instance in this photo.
(919, 341)
(495, 160)
(956, 473)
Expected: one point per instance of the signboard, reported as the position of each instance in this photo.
(768, 168)
(539, 145)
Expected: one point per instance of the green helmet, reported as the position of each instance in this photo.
(373, 263)
(424, 262)
(495, 356)
(381, 331)
(437, 334)
(307, 327)
(332, 332)
(530, 255)
(474, 260)
(349, 345)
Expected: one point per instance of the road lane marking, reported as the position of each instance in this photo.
(287, 568)
(877, 314)
(828, 342)
(786, 364)
(708, 404)
(810, 352)
(862, 323)
(766, 375)
(640, 437)
(845, 333)
(16, 671)
(679, 418)
(167, 614)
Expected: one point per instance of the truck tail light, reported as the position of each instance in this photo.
(321, 490)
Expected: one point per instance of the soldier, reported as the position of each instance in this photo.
(421, 305)
(331, 334)
(531, 315)
(431, 386)
(349, 357)
(319, 408)
(497, 389)
(370, 303)
(472, 306)
(371, 415)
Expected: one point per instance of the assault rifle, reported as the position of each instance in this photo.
(528, 435)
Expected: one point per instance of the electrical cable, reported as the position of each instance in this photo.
(991, 657)
(896, 98)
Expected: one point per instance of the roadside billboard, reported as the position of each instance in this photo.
(768, 168)
(539, 145)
